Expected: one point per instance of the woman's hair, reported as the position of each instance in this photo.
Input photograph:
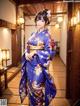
(43, 15)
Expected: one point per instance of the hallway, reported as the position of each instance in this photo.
(17, 23)
(57, 70)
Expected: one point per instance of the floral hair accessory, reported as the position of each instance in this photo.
(49, 13)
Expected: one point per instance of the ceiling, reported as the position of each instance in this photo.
(56, 8)
(19, 2)
(32, 7)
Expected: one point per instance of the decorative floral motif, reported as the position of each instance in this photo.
(38, 70)
(47, 64)
(50, 97)
(47, 34)
(22, 94)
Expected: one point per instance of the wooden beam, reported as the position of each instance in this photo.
(56, 13)
(25, 14)
(20, 2)
(7, 24)
(34, 25)
(27, 10)
(34, 8)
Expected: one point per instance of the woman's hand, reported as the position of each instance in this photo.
(29, 55)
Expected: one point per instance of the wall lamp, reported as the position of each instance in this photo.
(20, 20)
(4, 57)
(75, 19)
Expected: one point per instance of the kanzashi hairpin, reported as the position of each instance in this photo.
(49, 13)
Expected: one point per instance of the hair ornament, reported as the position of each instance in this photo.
(49, 13)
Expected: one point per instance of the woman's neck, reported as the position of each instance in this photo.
(40, 30)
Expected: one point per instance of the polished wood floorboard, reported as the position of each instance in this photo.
(57, 69)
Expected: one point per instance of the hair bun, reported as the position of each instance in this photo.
(43, 15)
(47, 12)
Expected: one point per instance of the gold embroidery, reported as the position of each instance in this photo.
(38, 69)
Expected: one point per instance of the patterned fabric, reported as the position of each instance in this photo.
(36, 82)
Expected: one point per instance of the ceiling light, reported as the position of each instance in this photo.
(21, 20)
(60, 19)
(57, 26)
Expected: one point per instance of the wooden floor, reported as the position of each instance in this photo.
(57, 70)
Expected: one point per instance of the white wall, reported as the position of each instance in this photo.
(30, 28)
(7, 11)
(63, 40)
(5, 41)
(55, 33)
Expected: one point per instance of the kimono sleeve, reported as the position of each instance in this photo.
(27, 44)
(46, 55)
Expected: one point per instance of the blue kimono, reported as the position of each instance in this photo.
(36, 82)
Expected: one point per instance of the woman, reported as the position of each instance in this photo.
(36, 82)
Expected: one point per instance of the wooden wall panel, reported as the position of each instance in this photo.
(73, 57)
(6, 24)
(16, 47)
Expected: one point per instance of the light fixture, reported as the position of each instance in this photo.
(60, 19)
(5, 56)
(78, 16)
(20, 20)
(73, 21)
(57, 26)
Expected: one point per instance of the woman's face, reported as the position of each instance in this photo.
(40, 24)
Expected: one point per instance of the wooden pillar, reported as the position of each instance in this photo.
(69, 53)
(16, 46)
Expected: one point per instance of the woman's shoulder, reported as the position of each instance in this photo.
(31, 36)
(32, 33)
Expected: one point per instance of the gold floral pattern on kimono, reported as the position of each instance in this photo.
(38, 70)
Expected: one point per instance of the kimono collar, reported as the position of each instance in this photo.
(45, 30)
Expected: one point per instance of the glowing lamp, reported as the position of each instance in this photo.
(20, 20)
(57, 25)
(60, 19)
